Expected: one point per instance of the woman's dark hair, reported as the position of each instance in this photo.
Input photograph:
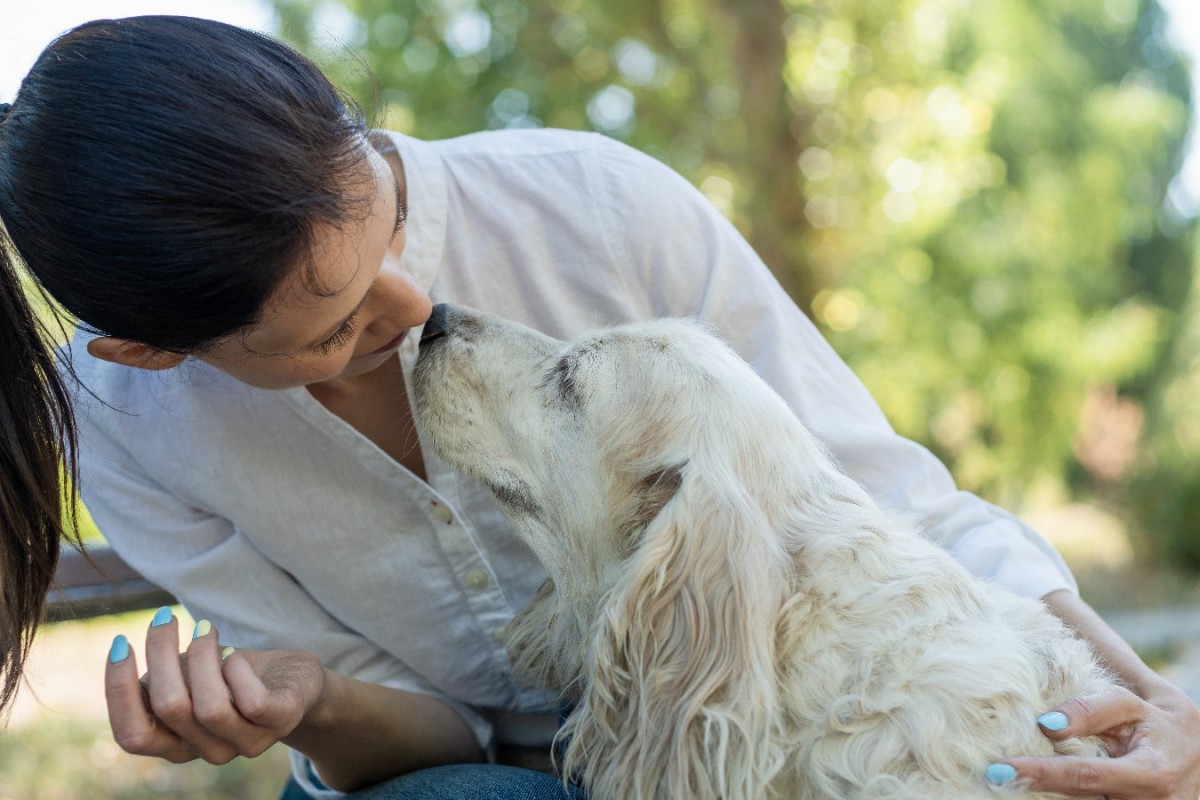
(160, 177)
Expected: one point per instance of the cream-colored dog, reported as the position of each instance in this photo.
(733, 617)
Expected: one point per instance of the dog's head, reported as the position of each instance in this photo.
(584, 442)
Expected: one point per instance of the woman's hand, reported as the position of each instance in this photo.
(1154, 743)
(217, 706)
(1152, 730)
(202, 705)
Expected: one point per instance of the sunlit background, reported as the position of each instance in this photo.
(989, 207)
(24, 31)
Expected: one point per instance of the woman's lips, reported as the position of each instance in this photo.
(392, 345)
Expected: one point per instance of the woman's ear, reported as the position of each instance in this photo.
(129, 353)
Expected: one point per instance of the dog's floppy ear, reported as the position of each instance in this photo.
(681, 699)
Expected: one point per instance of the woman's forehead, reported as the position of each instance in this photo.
(335, 278)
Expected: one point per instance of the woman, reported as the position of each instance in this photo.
(240, 252)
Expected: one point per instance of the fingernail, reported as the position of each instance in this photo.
(1000, 773)
(202, 628)
(1053, 720)
(119, 650)
(227, 652)
(161, 617)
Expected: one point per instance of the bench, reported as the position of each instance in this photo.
(105, 585)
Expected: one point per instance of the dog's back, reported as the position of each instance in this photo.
(908, 676)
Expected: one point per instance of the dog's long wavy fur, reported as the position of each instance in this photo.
(733, 616)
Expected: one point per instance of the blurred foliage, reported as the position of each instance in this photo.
(969, 197)
(1165, 491)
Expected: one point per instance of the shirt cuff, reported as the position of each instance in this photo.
(305, 774)
(1023, 563)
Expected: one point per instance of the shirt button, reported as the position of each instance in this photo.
(443, 512)
(475, 579)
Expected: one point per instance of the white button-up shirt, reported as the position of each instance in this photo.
(283, 525)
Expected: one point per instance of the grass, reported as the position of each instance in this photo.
(58, 745)
(64, 758)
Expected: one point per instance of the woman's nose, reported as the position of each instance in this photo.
(397, 301)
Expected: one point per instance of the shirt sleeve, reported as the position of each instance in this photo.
(690, 261)
(220, 576)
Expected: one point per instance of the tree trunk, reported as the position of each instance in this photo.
(774, 208)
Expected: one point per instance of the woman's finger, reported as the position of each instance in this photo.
(134, 728)
(250, 695)
(1095, 714)
(212, 699)
(1130, 776)
(212, 705)
(169, 693)
(165, 684)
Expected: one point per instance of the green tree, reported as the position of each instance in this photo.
(967, 196)
(1003, 260)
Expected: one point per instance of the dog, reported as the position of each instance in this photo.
(732, 617)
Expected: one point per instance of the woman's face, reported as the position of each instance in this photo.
(367, 304)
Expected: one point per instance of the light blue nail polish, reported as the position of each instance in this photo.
(1053, 720)
(161, 617)
(1000, 773)
(120, 650)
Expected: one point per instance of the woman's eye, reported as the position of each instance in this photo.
(341, 338)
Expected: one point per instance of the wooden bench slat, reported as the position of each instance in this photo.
(74, 569)
(106, 586)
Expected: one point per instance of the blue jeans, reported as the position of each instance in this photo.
(461, 782)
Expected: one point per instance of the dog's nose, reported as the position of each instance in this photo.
(438, 323)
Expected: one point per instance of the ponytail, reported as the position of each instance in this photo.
(37, 454)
